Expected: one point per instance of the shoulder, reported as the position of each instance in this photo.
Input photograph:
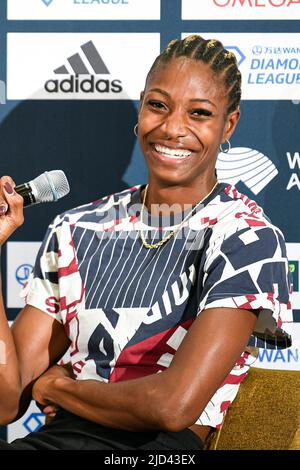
(94, 212)
(235, 211)
(242, 226)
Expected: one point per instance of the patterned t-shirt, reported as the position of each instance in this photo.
(127, 308)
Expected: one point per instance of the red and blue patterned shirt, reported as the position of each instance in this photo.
(127, 308)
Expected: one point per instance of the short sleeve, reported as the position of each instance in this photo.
(249, 270)
(42, 289)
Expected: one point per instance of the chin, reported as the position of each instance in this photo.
(168, 179)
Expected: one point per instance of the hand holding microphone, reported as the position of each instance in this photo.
(47, 187)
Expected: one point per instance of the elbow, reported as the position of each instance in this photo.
(9, 411)
(10, 404)
(7, 416)
(176, 416)
(172, 407)
(4, 421)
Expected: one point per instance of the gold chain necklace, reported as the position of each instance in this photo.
(164, 240)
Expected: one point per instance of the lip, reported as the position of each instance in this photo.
(169, 160)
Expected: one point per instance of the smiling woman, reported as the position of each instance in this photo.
(158, 291)
(183, 119)
(190, 106)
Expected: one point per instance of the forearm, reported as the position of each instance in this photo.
(134, 405)
(13, 378)
(10, 379)
(171, 400)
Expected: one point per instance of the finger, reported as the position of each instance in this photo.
(3, 202)
(13, 200)
(49, 409)
(3, 208)
(7, 179)
(41, 406)
(4, 180)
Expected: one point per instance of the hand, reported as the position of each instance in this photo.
(11, 208)
(46, 383)
(41, 388)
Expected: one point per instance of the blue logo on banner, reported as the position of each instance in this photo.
(34, 422)
(281, 355)
(294, 268)
(47, 2)
(23, 273)
(238, 53)
(257, 50)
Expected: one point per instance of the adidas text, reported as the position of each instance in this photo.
(87, 85)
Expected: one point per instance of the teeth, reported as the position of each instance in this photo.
(172, 153)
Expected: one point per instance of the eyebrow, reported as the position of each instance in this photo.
(197, 100)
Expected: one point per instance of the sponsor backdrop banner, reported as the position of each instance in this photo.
(269, 63)
(78, 66)
(30, 422)
(20, 261)
(240, 9)
(70, 81)
(83, 10)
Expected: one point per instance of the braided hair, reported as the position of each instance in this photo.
(212, 53)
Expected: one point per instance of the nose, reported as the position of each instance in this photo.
(174, 125)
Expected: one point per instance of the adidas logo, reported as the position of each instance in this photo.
(251, 167)
(88, 63)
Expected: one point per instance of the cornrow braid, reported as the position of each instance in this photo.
(212, 53)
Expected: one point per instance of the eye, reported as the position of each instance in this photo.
(201, 112)
(156, 104)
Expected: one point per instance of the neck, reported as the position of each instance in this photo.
(172, 199)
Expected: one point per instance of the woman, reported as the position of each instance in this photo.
(155, 290)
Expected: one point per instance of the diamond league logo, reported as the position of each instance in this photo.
(47, 2)
(34, 422)
(249, 166)
(240, 56)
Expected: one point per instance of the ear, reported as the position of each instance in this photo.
(230, 124)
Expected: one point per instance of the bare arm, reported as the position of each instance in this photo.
(35, 340)
(40, 342)
(173, 399)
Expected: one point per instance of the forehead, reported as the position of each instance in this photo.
(188, 77)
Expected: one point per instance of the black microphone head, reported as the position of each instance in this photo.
(50, 186)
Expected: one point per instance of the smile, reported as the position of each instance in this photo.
(172, 153)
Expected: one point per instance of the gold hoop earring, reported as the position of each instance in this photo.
(135, 130)
(227, 149)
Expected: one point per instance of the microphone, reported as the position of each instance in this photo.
(47, 187)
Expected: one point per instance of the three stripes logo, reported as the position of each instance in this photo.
(83, 70)
(251, 167)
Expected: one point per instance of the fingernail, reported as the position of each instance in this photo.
(8, 188)
(3, 210)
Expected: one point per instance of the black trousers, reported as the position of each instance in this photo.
(70, 432)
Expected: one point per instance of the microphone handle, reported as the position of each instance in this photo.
(26, 192)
